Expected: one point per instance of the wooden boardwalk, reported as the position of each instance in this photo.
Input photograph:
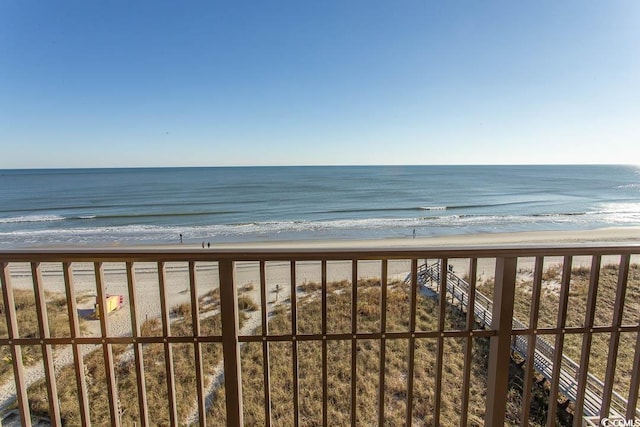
(457, 289)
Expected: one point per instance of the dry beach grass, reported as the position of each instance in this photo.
(368, 363)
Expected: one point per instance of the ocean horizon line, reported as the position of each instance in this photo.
(472, 165)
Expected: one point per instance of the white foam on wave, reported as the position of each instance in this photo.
(31, 218)
(619, 212)
(433, 208)
(620, 207)
(327, 228)
(266, 227)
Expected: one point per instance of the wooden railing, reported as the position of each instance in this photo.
(67, 265)
(543, 351)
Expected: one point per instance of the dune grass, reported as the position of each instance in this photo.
(368, 364)
(27, 319)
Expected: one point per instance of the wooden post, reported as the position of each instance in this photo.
(137, 346)
(500, 344)
(47, 349)
(15, 349)
(468, 345)
(72, 310)
(168, 349)
(230, 344)
(197, 346)
(531, 342)
(614, 341)
(266, 370)
(107, 351)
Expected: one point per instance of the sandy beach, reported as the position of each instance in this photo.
(609, 236)
(278, 273)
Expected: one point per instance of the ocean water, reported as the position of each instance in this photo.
(134, 206)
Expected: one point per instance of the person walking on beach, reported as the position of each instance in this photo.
(180, 238)
(414, 233)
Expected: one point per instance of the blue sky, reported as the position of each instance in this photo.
(100, 84)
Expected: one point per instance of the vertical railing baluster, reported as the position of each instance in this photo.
(197, 345)
(72, 309)
(383, 340)
(294, 345)
(230, 343)
(453, 293)
(325, 417)
(15, 349)
(592, 294)
(412, 341)
(266, 364)
(559, 344)
(500, 343)
(47, 351)
(468, 344)
(635, 383)
(442, 302)
(168, 349)
(623, 275)
(107, 351)
(137, 347)
(531, 341)
(354, 331)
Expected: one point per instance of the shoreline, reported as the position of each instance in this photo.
(609, 236)
(613, 235)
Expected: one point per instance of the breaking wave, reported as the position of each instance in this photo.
(31, 218)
